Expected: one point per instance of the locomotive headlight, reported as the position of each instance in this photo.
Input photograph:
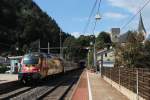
(27, 68)
(30, 68)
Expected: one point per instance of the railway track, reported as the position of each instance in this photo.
(57, 95)
(64, 87)
(53, 89)
(9, 86)
(14, 93)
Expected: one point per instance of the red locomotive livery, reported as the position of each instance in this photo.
(36, 66)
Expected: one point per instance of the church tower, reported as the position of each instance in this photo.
(141, 29)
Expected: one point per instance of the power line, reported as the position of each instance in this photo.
(135, 14)
(98, 9)
(99, 6)
(89, 18)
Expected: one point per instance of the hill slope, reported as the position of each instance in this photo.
(23, 24)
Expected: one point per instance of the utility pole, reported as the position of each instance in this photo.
(94, 56)
(88, 57)
(39, 46)
(60, 44)
(48, 48)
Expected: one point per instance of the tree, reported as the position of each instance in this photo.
(76, 47)
(103, 40)
(69, 51)
(25, 23)
(133, 53)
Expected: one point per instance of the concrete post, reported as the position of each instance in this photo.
(119, 76)
(137, 85)
(101, 64)
(88, 57)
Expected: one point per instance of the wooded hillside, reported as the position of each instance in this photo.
(23, 24)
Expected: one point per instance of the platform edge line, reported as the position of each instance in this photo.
(89, 87)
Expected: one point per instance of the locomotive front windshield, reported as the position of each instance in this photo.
(30, 60)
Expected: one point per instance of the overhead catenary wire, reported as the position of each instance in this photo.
(90, 16)
(99, 5)
(129, 21)
(98, 11)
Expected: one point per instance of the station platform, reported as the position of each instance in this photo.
(92, 87)
(4, 78)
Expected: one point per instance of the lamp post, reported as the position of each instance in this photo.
(88, 56)
(97, 17)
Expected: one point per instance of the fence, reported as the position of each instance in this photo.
(134, 79)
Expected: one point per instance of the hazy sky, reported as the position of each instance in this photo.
(72, 15)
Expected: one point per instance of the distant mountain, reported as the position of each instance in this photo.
(23, 24)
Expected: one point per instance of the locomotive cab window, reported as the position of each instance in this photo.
(30, 60)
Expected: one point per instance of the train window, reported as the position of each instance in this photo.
(30, 60)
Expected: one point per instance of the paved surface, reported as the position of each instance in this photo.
(81, 92)
(100, 89)
(8, 77)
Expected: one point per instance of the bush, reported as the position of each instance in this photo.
(3, 69)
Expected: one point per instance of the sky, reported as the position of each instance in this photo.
(72, 15)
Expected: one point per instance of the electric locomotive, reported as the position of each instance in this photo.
(35, 66)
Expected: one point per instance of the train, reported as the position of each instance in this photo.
(36, 66)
